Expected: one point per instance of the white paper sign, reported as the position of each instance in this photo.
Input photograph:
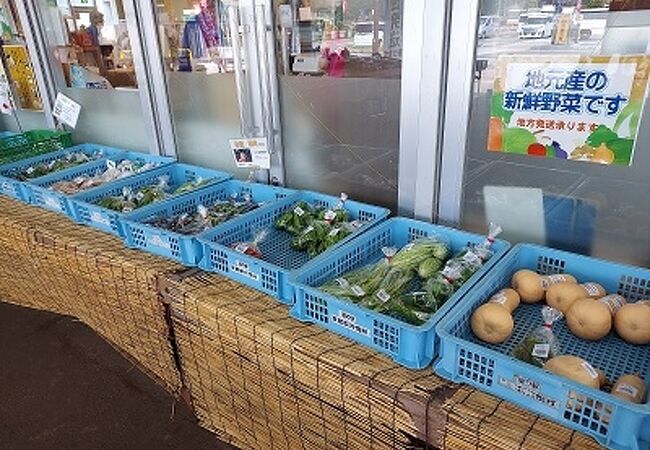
(66, 110)
(5, 96)
(250, 153)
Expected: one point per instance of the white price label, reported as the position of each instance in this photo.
(334, 232)
(66, 110)
(624, 388)
(614, 302)
(358, 291)
(329, 215)
(349, 321)
(342, 282)
(241, 247)
(309, 229)
(499, 298)
(590, 370)
(299, 211)
(383, 295)
(541, 350)
(591, 288)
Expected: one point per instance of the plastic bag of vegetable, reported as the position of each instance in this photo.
(189, 186)
(297, 218)
(401, 308)
(542, 344)
(417, 252)
(444, 284)
(252, 248)
(337, 214)
(395, 282)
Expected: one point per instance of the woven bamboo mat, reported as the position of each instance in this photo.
(50, 263)
(262, 380)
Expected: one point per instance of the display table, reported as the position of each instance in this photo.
(48, 262)
(255, 376)
(260, 379)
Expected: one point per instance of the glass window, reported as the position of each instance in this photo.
(554, 158)
(197, 49)
(90, 46)
(17, 71)
(340, 84)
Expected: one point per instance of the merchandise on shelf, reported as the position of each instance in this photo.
(131, 200)
(204, 217)
(111, 172)
(413, 283)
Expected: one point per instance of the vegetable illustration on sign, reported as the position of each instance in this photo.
(575, 108)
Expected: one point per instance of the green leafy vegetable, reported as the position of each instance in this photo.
(412, 255)
(429, 267)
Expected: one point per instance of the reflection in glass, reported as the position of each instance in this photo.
(197, 50)
(19, 86)
(583, 202)
(89, 41)
(340, 70)
(92, 43)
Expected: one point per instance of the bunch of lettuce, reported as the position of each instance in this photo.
(387, 286)
(413, 283)
(316, 229)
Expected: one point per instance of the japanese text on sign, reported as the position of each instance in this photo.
(576, 92)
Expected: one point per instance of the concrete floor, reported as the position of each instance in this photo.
(63, 387)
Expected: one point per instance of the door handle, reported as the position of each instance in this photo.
(240, 80)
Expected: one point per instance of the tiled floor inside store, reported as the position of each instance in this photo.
(63, 387)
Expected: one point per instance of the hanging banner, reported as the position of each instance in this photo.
(583, 108)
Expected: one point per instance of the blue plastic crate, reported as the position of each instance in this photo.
(464, 358)
(181, 247)
(15, 188)
(88, 212)
(41, 194)
(273, 272)
(411, 346)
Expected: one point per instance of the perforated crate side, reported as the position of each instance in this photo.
(411, 346)
(464, 358)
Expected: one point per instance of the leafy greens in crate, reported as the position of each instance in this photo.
(66, 161)
(205, 217)
(110, 172)
(412, 283)
(315, 229)
(131, 200)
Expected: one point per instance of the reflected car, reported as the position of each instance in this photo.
(487, 27)
(536, 25)
(363, 34)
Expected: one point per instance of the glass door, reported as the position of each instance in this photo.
(90, 48)
(339, 64)
(556, 142)
(18, 75)
(201, 49)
